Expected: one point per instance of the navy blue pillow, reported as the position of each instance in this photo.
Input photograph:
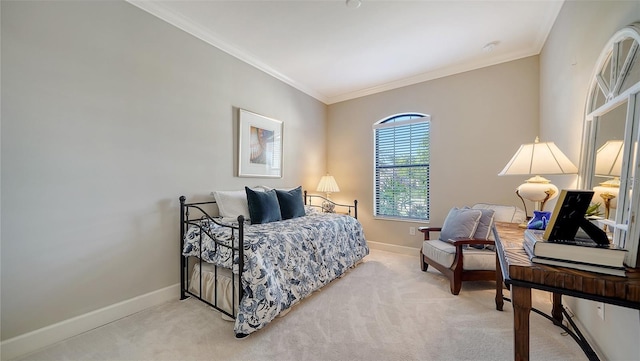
(263, 206)
(291, 203)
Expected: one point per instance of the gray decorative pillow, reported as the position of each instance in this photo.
(484, 225)
(460, 224)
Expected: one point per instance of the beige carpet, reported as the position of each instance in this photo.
(385, 309)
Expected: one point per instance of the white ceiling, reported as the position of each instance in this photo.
(334, 52)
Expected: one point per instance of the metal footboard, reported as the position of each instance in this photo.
(237, 234)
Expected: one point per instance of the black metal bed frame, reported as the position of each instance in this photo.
(237, 247)
(309, 198)
(185, 222)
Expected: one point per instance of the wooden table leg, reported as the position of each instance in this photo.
(556, 310)
(521, 300)
(499, 286)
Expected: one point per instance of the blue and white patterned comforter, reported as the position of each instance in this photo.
(285, 261)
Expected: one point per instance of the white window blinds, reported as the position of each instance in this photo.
(402, 167)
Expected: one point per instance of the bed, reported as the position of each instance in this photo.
(282, 261)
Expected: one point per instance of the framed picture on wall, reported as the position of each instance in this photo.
(260, 146)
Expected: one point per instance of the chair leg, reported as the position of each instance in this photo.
(455, 284)
(423, 265)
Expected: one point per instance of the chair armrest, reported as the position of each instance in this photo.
(426, 231)
(429, 229)
(461, 242)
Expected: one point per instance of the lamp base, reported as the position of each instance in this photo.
(608, 198)
(538, 190)
(608, 193)
(328, 207)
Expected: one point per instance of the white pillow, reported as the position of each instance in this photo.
(502, 213)
(231, 204)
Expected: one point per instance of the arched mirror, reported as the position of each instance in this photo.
(610, 161)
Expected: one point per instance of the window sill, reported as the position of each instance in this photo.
(400, 219)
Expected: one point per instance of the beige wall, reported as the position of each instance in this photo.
(478, 120)
(567, 63)
(108, 116)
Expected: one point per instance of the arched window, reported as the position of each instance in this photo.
(401, 176)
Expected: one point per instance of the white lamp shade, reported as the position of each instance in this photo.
(609, 159)
(328, 185)
(539, 158)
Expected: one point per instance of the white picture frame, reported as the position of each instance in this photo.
(260, 150)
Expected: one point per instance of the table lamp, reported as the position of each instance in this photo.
(538, 158)
(328, 185)
(608, 165)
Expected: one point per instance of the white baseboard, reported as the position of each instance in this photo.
(592, 342)
(47, 336)
(409, 251)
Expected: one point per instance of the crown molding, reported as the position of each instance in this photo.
(552, 15)
(431, 75)
(183, 23)
(546, 27)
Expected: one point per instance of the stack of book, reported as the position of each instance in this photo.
(579, 253)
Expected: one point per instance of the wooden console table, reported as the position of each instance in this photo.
(521, 275)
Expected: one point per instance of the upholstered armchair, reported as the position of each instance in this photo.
(464, 249)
